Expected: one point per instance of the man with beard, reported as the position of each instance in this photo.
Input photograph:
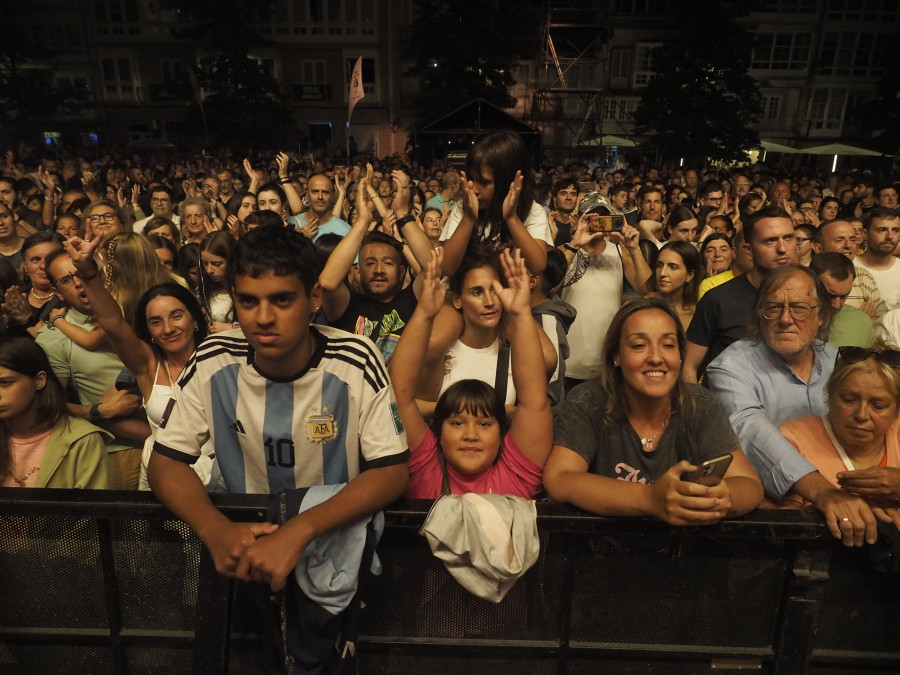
(563, 220)
(382, 306)
(882, 227)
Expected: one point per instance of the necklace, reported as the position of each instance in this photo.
(24, 479)
(647, 443)
(41, 298)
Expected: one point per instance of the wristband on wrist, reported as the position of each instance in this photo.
(53, 321)
(95, 415)
(284, 181)
(569, 247)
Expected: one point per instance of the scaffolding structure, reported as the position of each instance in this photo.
(566, 104)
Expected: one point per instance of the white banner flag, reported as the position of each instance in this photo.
(356, 86)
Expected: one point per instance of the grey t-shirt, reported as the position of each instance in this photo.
(614, 450)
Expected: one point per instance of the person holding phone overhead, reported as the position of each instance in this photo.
(627, 442)
(599, 262)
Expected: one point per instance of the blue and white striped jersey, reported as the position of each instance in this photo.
(324, 426)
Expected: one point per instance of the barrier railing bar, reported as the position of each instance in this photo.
(111, 591)
(212, 627)
(801, 602)
(843, 656)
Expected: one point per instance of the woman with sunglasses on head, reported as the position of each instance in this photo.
(856, 445)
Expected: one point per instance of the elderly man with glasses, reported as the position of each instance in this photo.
(779, 374)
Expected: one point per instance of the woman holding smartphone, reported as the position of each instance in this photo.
(629, 442)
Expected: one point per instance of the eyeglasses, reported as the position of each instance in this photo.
(851, 355)
(107, 217)
(159, 200)
(802, 240)
(799, 311)
(64, 281)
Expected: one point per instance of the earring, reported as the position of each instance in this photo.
(616, 364)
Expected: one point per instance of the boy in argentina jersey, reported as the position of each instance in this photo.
(286, 405)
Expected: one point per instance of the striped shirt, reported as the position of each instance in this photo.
(321, 427)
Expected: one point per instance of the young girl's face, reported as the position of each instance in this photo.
(671, 273)
(470, 442)
(17, 392)
(214, 266)
(484, 187)
(248, 206)
(270, 201)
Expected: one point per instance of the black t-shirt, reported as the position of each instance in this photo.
(723, 316)
(563, 232)
(381, 322)
(615, 451)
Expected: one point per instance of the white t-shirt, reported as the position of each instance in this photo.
(593, 286)
(888, 281)
(536, 223)
(467, 363)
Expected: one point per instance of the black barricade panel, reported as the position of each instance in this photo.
(658, 589)
(118, 586)
(860, 608)
(157, 572)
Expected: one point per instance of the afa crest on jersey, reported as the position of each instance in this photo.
(321, 427)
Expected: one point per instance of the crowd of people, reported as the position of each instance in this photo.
(606, 339)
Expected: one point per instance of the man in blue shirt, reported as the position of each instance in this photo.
(777, 375)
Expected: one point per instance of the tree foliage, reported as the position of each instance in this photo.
(243, 105)
(28, 93)
(462, 50)
(701, 102)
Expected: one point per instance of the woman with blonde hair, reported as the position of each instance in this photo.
(132, 267)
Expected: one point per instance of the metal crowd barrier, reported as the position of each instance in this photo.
(108, 582)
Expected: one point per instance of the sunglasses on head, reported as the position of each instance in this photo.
(889, 357)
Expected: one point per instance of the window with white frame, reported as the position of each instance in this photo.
(826, 108)
(771, 107)
(781, 51)
(618, 108)
(643, 64)
(852, 53)
(869, 11)
(118, 83)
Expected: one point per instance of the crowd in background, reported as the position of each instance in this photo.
(499, 295)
